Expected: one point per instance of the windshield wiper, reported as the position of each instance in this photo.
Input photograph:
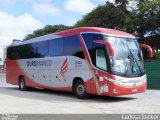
(134, 60)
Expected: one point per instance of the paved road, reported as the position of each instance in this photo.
(42, 101)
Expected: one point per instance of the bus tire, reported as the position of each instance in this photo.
(22, 85)
(80, 90)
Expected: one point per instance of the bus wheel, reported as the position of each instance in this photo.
(22, 85)
(80, 90)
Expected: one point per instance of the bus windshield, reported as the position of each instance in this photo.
(128, 59)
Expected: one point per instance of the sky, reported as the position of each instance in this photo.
(21, 17)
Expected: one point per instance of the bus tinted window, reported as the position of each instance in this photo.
(42, 49)
(56, 47)
(32, 50)
(22, 52)
(12, 53)
(28, 51)
(73, 47)
(88, 39)
(25, 51)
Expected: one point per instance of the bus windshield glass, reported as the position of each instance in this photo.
(128, 59)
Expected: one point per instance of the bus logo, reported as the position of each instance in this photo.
(64, 68)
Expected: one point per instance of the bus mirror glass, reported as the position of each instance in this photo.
(148, 48)
(108, 45)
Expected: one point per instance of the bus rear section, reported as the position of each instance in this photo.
(84, 60)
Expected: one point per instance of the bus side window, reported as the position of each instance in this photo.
(72, 47)
(88, 39)
(43, 49)
(9, 53)
(12, 53)
(101, 59)
(56, 47)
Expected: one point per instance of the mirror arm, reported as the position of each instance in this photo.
(107, 44)
(148, 48)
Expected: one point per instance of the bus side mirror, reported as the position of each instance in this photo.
(107, 44)
(148, 48)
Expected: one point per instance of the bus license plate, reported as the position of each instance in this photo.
(134, 90)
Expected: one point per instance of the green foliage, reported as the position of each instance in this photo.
(157, 55)
(107, 16)
(46, 30)
(148, 18)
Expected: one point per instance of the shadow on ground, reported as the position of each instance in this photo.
(48, 95)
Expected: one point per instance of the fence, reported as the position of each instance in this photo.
(153, 74)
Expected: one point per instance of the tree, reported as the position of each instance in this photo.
(108, 16)
(147, 22)
(46, 30)
(122, 4)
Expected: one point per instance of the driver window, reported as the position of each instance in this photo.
(101, 59)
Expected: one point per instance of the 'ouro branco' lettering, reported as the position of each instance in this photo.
(39, 63)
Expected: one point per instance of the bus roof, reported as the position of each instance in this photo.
(75, 31)
(106, 31)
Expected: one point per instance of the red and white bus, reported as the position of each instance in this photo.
(86, 60)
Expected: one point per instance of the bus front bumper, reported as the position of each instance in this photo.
(118, 90)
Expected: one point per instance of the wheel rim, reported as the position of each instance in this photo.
(81, 89)
(22, 84)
